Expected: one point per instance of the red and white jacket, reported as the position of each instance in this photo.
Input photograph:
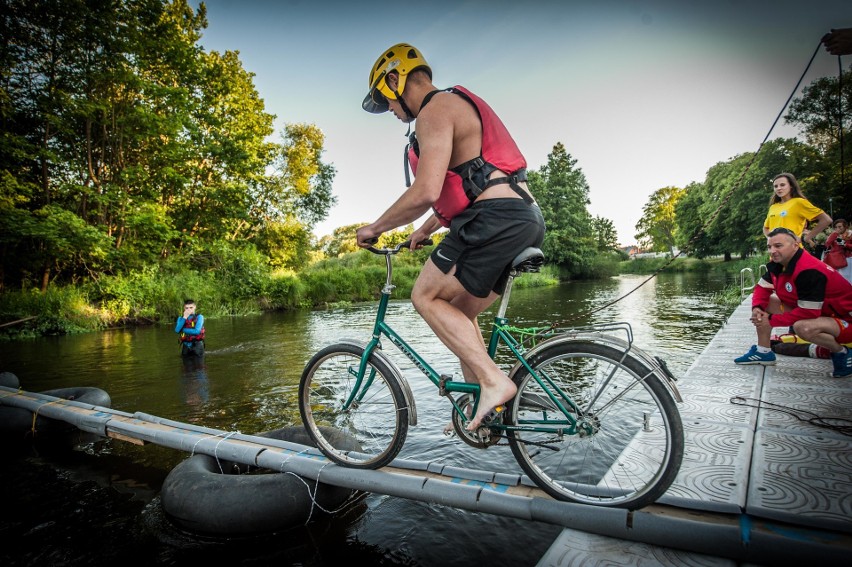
(813, 288)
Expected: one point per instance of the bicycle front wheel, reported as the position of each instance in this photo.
(626, 446)
(375, 416)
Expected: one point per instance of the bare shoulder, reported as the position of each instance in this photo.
(450, 126)
(451, 106)
(457, 114)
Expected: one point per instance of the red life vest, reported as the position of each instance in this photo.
(813, 288)
(465, 182)
(190, 322)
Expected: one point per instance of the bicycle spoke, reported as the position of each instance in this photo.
(627, 444)
(375, 418)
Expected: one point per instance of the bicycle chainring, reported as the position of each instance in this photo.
(483, 437)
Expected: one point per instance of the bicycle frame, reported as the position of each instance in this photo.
(593, 421)
(499, 333)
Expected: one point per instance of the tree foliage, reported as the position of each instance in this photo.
(124, 143)
(824, 113)
(823, 109)
(656, 228)
(606, 237)
(725, 214)
(563, 195)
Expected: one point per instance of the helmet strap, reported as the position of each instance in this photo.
(404, 106)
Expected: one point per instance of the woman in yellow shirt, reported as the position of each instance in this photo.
(789, 209)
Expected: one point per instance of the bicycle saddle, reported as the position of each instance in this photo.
(530, 260)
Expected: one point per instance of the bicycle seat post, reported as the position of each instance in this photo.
(530, 260)
(504, 299)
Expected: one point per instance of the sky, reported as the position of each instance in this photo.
(643, 94)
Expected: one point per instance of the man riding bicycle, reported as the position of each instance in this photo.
(472, 175)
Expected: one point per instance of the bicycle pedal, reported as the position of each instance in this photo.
(494, 416)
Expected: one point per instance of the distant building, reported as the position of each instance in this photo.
(635, 252)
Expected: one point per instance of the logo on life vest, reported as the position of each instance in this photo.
(789, 287)
(782, 214)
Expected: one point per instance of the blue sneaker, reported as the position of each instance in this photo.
(842, 363)
(754, 357)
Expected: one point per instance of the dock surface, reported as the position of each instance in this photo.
(768, 456)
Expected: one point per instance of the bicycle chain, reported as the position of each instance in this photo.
(535, 443)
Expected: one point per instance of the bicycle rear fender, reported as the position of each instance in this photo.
(406, 389)
(653, 363)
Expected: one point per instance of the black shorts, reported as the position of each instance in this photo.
(483, 241)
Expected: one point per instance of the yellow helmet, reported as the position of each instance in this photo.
(402, 58)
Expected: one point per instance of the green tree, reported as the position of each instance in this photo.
(692, 210)
(563, 195)
(824, 107)
(293, 198)
(84, 85)
(656, 229)
(606, 236)
(824, 114)
(729, 208)
(114, 115)
(341, 241)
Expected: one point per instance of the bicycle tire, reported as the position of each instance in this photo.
(630, 445)
(378, 422)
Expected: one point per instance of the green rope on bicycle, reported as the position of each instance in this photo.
(531, 333)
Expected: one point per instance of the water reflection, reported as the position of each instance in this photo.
(194, 380)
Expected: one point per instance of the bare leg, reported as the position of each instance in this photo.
(451, 313)
(822, 331)
(470, 378)
(764, 327)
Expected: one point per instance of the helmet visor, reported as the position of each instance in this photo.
(375, 102)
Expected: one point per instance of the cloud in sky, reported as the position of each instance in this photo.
(644, 94)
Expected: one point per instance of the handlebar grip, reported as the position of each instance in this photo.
(395, 249)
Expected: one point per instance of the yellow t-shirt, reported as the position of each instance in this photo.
(794, 214)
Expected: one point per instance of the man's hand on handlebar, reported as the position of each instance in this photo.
(365, 237)
(419, 238)
(399, 247)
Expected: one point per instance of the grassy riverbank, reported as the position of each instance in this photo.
(237, 287)
(241, 286)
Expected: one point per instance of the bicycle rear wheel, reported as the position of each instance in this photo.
(376, 418)
(628, 445)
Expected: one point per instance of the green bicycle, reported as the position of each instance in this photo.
(594, 420)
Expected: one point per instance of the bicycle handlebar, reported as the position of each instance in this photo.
(397, 248)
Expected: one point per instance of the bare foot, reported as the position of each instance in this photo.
(490, 398)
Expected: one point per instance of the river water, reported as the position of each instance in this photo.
(100, 505)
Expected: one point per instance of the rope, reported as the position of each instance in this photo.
(839, 424)
(715, 214)
(312, 495)
(35, 416)
(531, 333)
(224, 435)
(840, 117)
